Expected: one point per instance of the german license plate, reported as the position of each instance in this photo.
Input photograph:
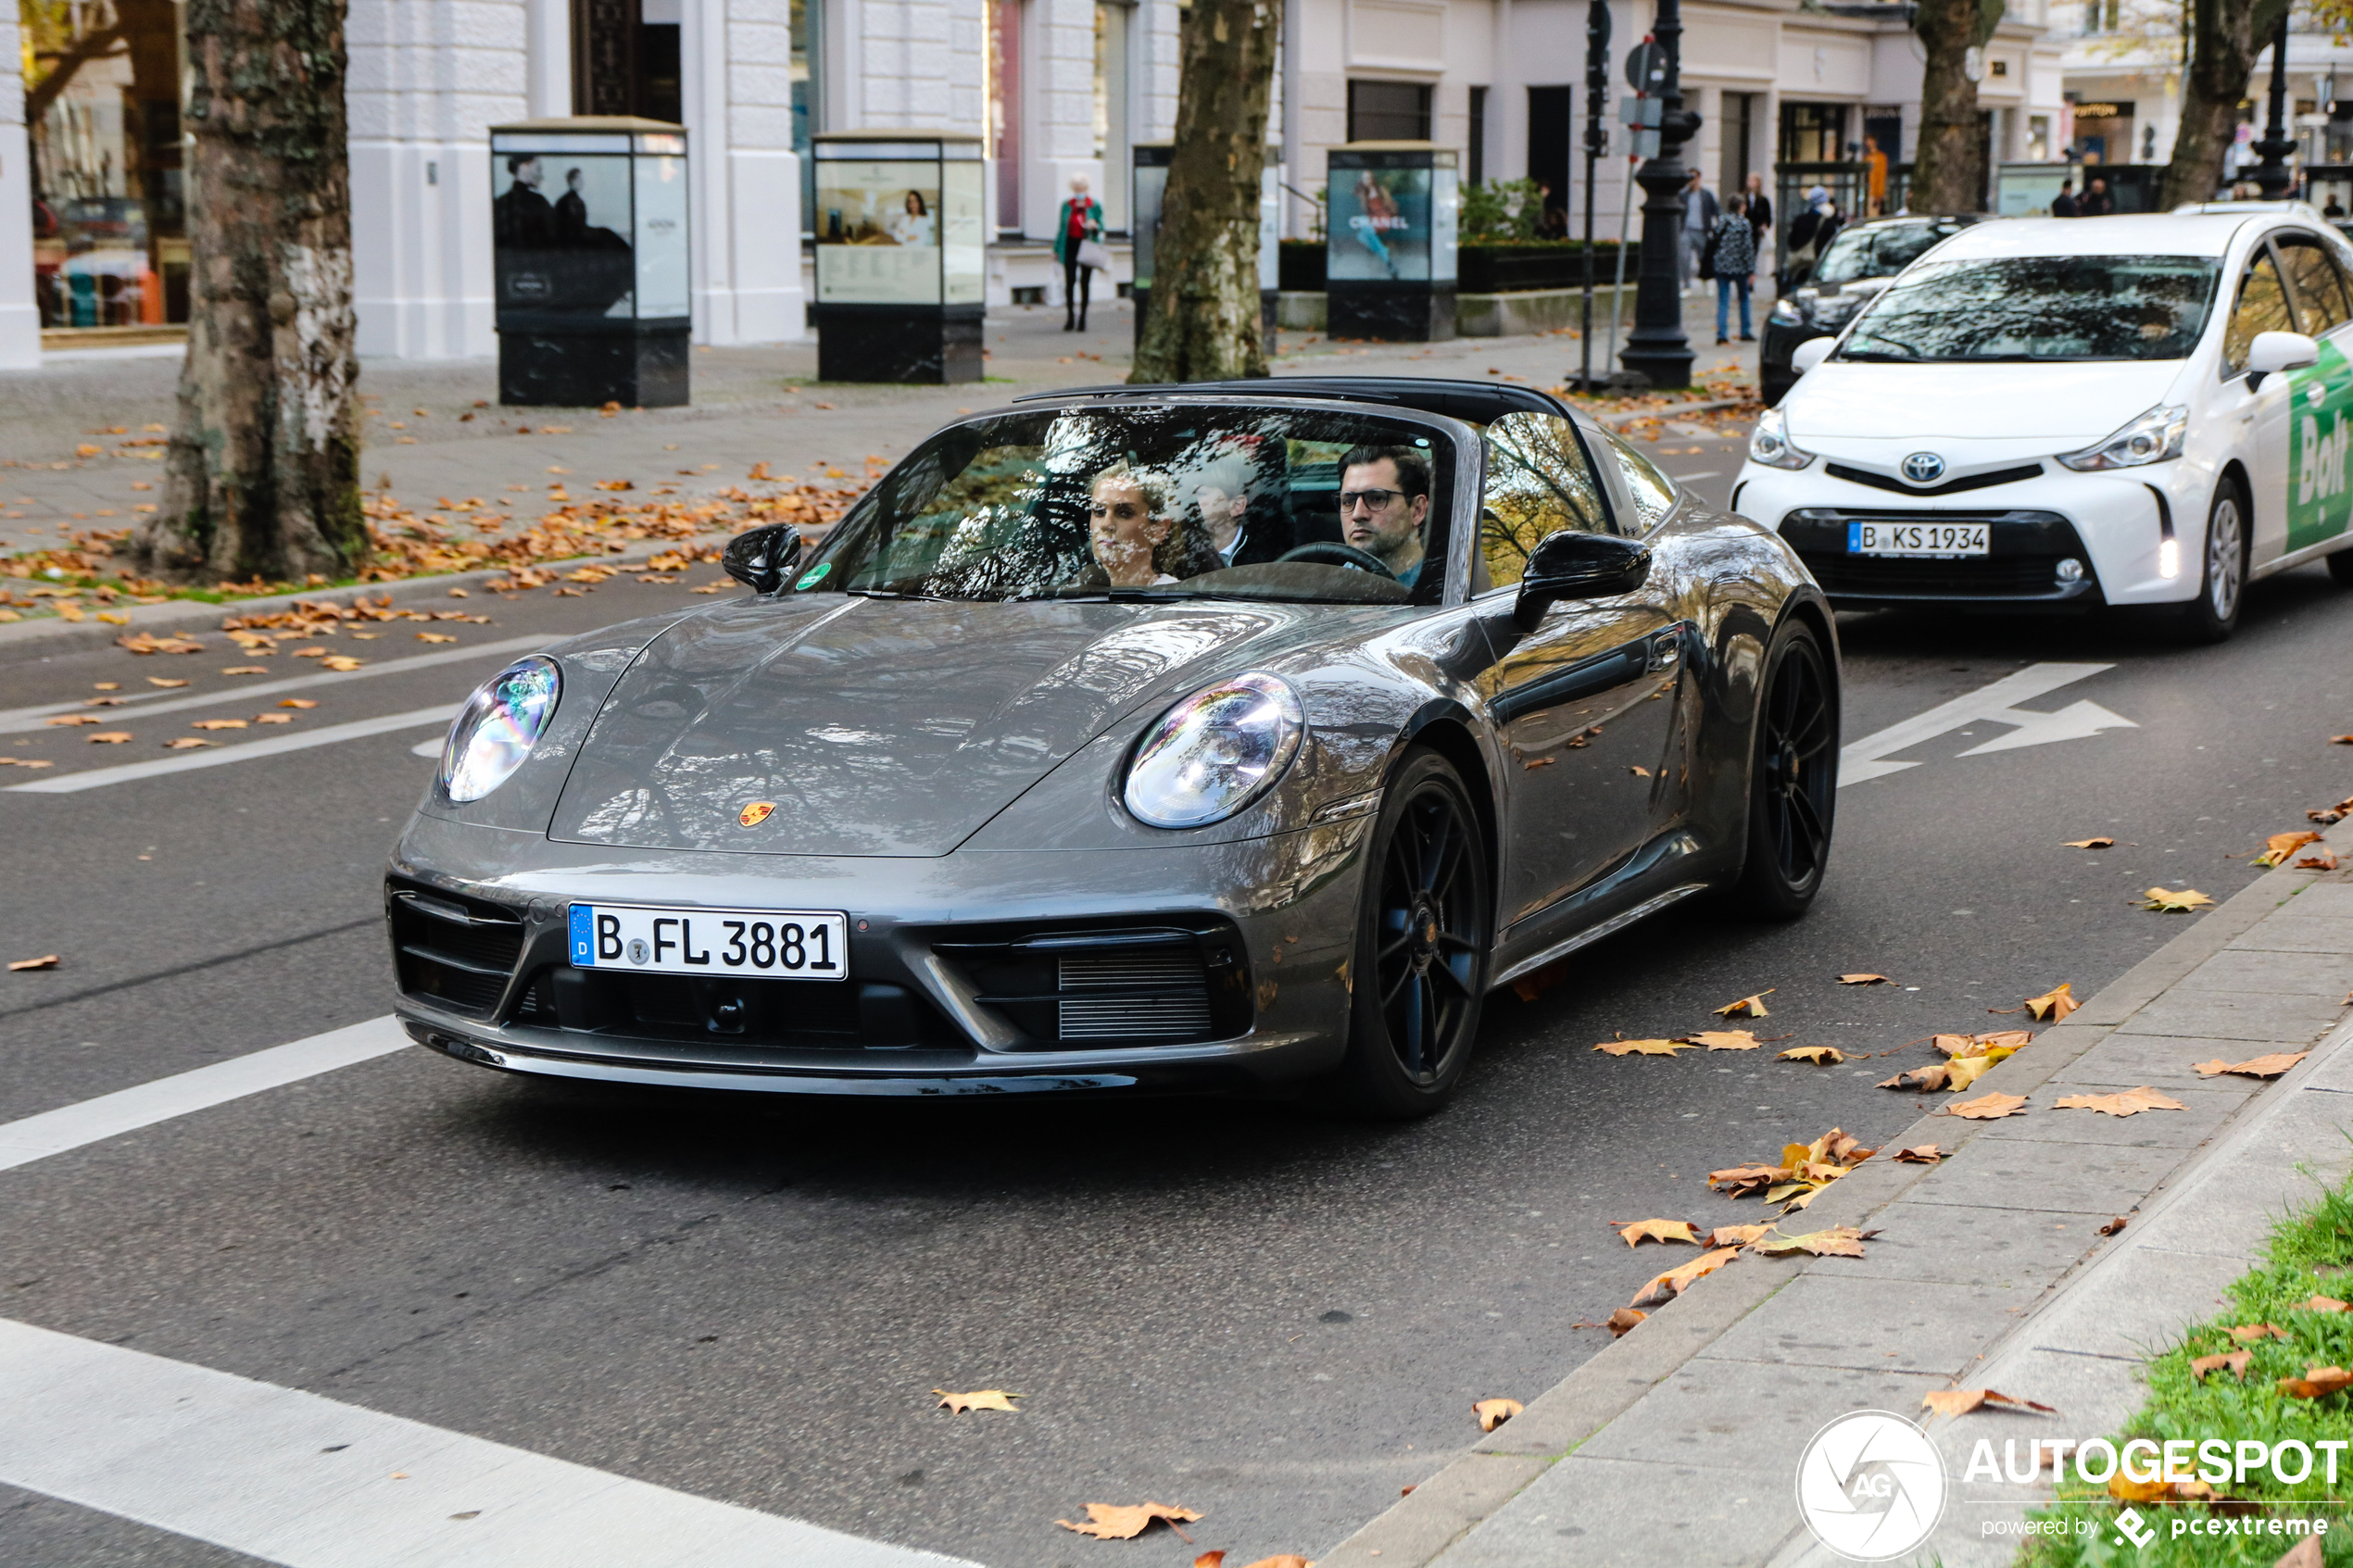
(1916, 538)
(770, 944)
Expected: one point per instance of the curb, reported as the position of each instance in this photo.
(49, 636)
(1673, 411)
(1439, 1513)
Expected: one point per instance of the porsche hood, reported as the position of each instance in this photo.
(880, 727)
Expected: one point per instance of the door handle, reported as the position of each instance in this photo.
(1667, 651)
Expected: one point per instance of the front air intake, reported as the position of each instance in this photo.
(1162, 993)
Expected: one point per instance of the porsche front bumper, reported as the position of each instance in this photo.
(1209, 966)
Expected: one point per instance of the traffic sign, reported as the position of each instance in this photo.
(1647, 68)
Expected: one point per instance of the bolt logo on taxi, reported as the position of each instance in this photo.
(2324, 394)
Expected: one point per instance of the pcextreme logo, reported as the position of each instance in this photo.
(1870, 1485)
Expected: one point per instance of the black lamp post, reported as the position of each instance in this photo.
(2271, 175)
(1658, 347)
(1596, 143)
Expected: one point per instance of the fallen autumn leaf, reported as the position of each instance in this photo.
(2128, 1102)
(2280, 845)
(1961, 1401)
(1747, 1007)
(1674, 1282)
(2270, 1066)
(1623, 1321)
(2166, 900)
(1114, 1522)
(979, 1399)
(1639, 1231)
(1492, 1413)
(2232, 1361)
(1839, 1241)
(2052, 1004)
(1820, 1056)
(2115, 1226)
(2091, 844)
(1865, 980)
(46, 960)
(1725, 1039)
(110, 738)
(1644, 1047)
(1988, 1108)
(1918, 1154)
(2317, 1383)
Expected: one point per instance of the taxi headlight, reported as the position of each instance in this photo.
(497, 728)
(1769, 444)
(1214, 753)
(2154, 437)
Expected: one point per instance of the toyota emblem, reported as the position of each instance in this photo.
(1923, 468)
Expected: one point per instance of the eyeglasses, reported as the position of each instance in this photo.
(1378, 501)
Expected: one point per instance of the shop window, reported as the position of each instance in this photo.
(1001, 86)
(1111, 143)
(1813, 132)
(102, 107)
(808, 108)
(626, 57)
(1388, 111)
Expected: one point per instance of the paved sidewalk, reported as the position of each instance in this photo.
(1680, 1442)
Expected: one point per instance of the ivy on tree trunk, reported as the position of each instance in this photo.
(1949, 169)
(1203, 321)
(262, 478)
(2225, 36)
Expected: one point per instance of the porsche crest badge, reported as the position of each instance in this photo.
(756, 813)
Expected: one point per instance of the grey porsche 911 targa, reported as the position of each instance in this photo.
(1234, 737)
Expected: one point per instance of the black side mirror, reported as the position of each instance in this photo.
(1570, 565)
(759, 558)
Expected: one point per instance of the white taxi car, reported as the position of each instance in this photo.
(2075, 413)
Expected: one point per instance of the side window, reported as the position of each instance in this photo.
(1538, 483)
(2261, 306)
(2319, 292)
(1654, 493)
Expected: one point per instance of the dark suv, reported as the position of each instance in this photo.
(1862, 259)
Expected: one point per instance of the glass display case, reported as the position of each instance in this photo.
(1394, 211)
(589, 257)
(901, 257)
(1149, 183)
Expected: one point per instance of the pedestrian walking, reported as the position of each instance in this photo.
(1079, 225)
(1700, 212)
(2097, 202)
(1733, 244)
(1810, 233)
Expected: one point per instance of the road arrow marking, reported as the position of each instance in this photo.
(1867, 758)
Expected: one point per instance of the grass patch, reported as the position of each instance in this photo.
(2310, 1254)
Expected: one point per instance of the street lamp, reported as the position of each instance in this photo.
(1658, 347)
(2272, 175)
(1597, 23)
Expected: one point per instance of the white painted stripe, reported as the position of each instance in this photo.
(126, 1110)
(276, 745)
(1865, 758)
(293, 1478)
(139, 704)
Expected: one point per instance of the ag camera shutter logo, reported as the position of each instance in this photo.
(1871, 1486)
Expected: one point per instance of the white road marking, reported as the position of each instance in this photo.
(1865, 758)
(140, 704)
(276, 745)
(426, 748)
(126, 1110)
(294, 1478)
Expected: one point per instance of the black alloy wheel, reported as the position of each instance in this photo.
(1793, 790)
(1423, 929)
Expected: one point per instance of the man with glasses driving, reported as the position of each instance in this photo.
(1384, 504)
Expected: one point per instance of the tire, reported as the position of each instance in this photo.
(2341, 567)
(1793, 781)
(1423, 928)
(2213, 614)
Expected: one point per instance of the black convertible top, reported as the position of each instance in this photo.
(1477, 402)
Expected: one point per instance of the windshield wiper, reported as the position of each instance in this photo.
(889, 593)
(1870, 355)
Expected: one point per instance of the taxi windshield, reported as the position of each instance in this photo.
(1880, 251)
(2040, 307)
(1155, 501)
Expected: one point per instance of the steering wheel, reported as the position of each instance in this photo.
(1331, 552)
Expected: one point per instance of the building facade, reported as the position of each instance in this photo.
(93, 247)
(2124, 88)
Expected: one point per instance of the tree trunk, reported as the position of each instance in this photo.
(263, 473)
(1202, 323)
(2224, 37)
(1949, 169)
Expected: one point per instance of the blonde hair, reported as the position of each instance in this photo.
(1151, 485)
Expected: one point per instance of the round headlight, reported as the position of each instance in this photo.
(1214, 753)
(498, 726)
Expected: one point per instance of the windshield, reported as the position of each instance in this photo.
(1880, 251)
(2040, 307)
(1153, 501)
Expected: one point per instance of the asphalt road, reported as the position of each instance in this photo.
(1275, 1319)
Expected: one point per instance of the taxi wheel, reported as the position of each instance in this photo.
(2341, 568)
(1422, 936)
(1793, 785)
(2214, 614)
